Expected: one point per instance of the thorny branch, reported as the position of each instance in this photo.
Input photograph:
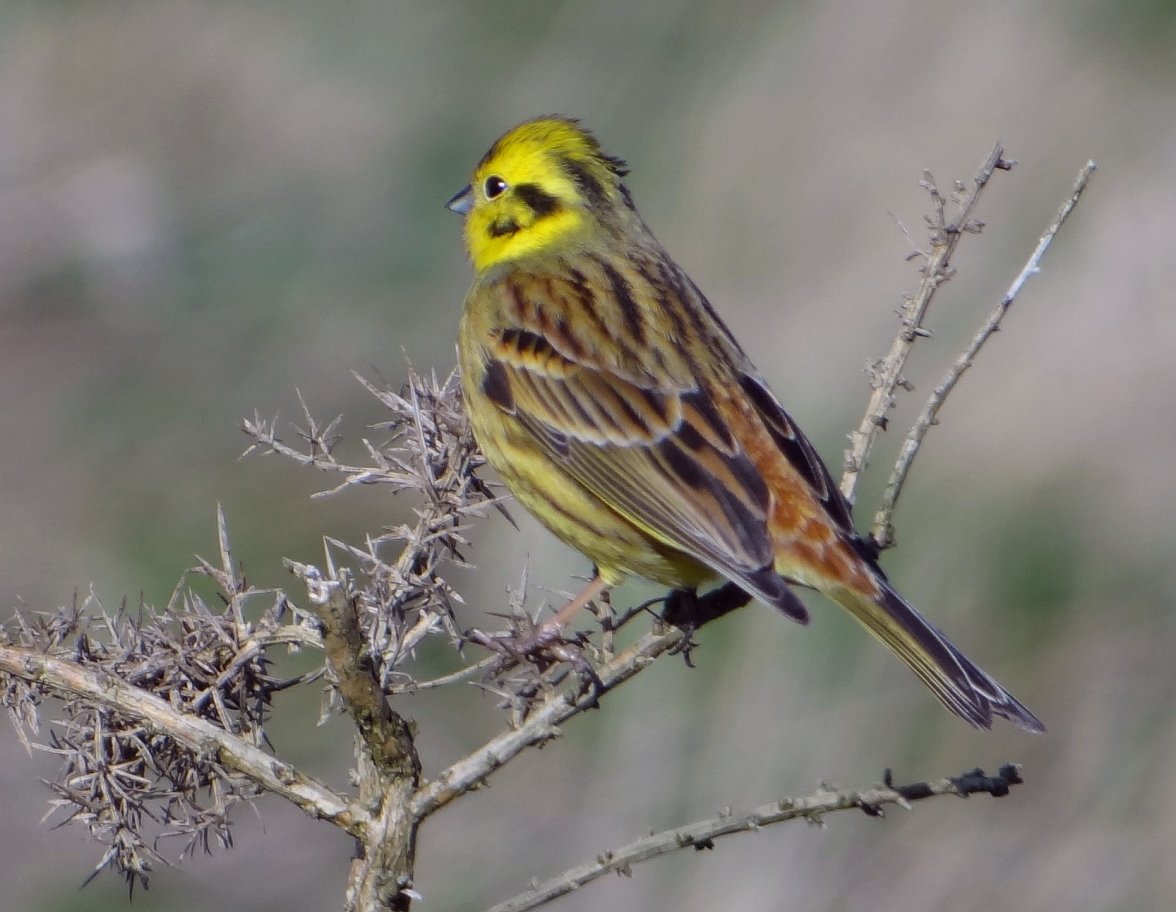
(152, 717)
(883, 530)
(429, 452)
(163, 724)
(162, 718)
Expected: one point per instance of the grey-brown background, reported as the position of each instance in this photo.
(204, 206)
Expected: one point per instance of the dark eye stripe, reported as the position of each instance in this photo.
(541, 202)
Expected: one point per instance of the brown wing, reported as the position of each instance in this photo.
(658, 452)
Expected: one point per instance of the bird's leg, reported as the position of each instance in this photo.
(550, 629)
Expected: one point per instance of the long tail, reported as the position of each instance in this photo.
(952, 677)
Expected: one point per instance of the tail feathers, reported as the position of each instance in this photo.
(952, 677)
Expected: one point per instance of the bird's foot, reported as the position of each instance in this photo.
(687, 610)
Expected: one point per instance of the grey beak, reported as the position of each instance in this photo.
(463, 202)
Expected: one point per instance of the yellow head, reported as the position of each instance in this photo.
(540, 186)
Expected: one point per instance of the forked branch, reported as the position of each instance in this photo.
(883, 530)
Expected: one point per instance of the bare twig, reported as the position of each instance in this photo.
(467, 671)
(702, 834)
(192, 732)
(936, 270)
(883, 531)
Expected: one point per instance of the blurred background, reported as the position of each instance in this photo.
(205, 207)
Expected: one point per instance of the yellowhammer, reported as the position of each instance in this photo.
(620, 410)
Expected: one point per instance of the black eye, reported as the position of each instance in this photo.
(494, 186)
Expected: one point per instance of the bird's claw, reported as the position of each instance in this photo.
(687, 610)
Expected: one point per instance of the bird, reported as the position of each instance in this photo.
(619, 409)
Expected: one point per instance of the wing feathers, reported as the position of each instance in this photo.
(659, 452)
